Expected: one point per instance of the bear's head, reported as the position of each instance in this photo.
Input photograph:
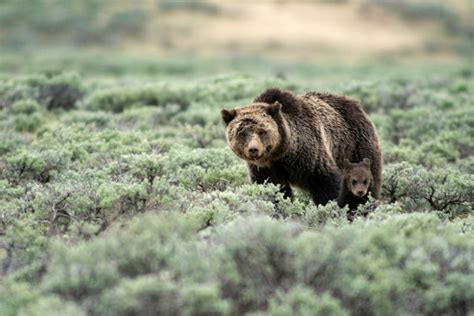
(254, 132)
(357, 177)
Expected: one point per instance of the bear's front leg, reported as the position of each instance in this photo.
(286, 190)
(261, 175)
(325, 186)
(342, 199)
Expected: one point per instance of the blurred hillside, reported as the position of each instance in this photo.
(339, 29)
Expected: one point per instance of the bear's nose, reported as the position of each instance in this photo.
(360, 193)
(253, 151)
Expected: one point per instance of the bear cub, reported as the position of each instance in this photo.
(356, 184)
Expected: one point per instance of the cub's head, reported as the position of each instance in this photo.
(357, 177)
(252, 131)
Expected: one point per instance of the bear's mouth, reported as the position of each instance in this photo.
(256, 158)
(360, 193)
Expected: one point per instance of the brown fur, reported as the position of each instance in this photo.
(356, 185)
(302, 140)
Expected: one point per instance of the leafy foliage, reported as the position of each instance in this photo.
(118, 195)
(50, 90)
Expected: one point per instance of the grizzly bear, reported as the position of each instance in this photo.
(302, 141)
(356, 184)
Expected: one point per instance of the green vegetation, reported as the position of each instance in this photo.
(118, 195)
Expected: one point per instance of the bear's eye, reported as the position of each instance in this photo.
(262, 132)
(365, 182)
(354, 182)
(242, 133)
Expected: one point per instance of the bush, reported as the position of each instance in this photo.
(117, 100)
(443, 190)
(11, 142)
(51, 91)
(149, 295)
(301, 300)
(37, 166)
(26, 116)
(131, 202)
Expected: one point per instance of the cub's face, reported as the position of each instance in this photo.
(358, 177)
(252, 132)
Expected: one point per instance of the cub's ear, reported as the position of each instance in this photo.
(228, 115)
(274, 108)
(346, 164)
(366, 161)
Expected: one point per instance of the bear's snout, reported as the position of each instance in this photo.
(359, 190)
(254, 149)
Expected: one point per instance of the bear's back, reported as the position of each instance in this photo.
(350, 110)
(320, 111)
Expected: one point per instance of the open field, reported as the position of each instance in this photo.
(120, 196)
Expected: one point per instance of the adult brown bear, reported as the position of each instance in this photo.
(302, 141)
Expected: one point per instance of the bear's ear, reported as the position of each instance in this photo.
(228, 115)
(274, 108)
(366, 161)
(346, 164)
